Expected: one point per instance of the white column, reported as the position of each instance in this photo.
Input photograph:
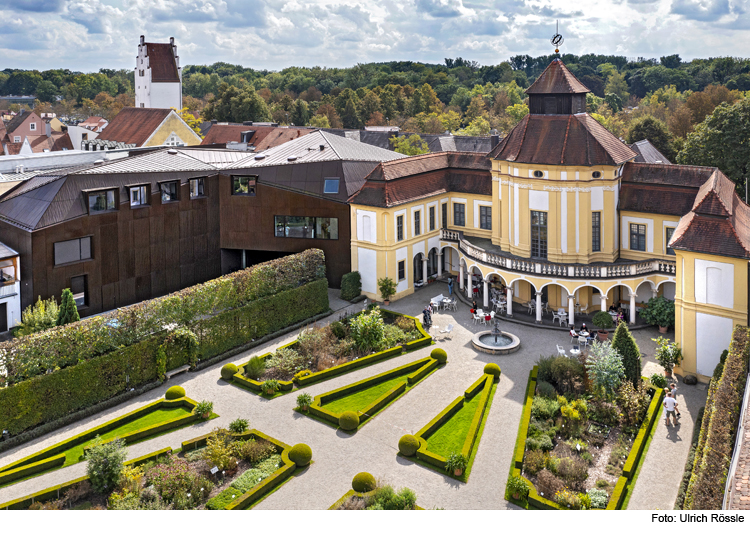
(486, 295)
(539, 307)
(440, 264)
(460, 276)
(604, 303)
(571, 310)
(469, 285)
(632, 308)
(509, 300)
(424, 269)
(654, 293)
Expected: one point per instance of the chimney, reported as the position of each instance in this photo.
(171, 41)
(494, 140)
(143, 40)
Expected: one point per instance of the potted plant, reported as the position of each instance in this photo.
(456, 464)
(387, 289)
(518, 487)
(270, 386)
(668, 354)
(659, 311)
(659, 381)
(303, 401)
(603, 320)
(204, 409)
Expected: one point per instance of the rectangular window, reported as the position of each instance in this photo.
(596, 231)
(102, 201)
(539, 234)
(306, 227)
(138, 196)
(197, 187)
(243, 185)
(16, 139)
(459, 215)
(432, 218)
(32, 126)
(485, 217)
(445, 216)
(331, 185)
(73, 251)
(402, 270)
(669, 232)
(638, 237)
(79, 288)
(400, 228)
(417, 222)
(169, 191)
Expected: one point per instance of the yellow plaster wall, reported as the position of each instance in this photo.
(180, 128)
(658, 227)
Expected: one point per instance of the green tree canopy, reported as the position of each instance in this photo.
(624, 343)
(68, 311)
(414, 145)
(653, 130)
(237, 105)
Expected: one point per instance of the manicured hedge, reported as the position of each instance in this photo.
(636, 451)
(32, 468)
(52, 396)
(719, 428)
(688, 472)
(523, 427)
(351, 285)
(256, 386)
(350, 366)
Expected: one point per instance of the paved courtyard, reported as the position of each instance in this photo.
(339, 456)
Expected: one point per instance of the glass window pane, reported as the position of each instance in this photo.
(67, 251)
(197, 187)
(280, 224)
(78, 288)
(326, 228)
(303, 227)
(85, 248)
(110, 199)
(432, 218)
(331, 185)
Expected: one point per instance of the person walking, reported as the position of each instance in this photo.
(450, 285)
(670, 404)
(673, 389)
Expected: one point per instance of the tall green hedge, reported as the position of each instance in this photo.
(351, 285)
(50, 396)
(719, 427)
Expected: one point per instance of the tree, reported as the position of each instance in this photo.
(233, 104)
(627, 347)
(193, 122)
(414, 145)
(616, 84)
(478, 127)
(653, 130)
(451, 120)
(350, 116)
(68, 311)
(105, 464)
(605, 369)
(517, 112)
(330, 113)
(722, 140)
(614, 101)
(38, 317)
(46, 91)
(320, 122)
(476, 109)
(300, 113)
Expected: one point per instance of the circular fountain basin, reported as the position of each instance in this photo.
(506, 343)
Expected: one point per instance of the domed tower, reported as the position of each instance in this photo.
(557, 91)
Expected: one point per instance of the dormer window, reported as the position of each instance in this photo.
(102, 201)
(243, 185)
(596, 175)
(138, 196)
(538, 173)
(169, 191)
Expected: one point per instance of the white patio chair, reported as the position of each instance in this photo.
(454, 304)
(476, 318)
(561, 351)
(573, 335)
(558, 317)
(448, 330)
(583, 341)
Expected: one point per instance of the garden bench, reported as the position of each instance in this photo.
(179, 370)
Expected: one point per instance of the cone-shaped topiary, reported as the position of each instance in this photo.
(363, 482)
(68, 312)
(408, 445)
(439, 355)
(492, 369)
(626, 345)
(301, 454)
(173, 393)
(349, 420)
(228, 371)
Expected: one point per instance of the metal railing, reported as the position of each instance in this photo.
(560, 270)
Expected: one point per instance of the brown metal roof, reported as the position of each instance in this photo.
(672, 174)
(660, 199)
(162, 63)
(557, 79)
(576, 140)
(134, 125)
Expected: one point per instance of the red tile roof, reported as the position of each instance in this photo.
(576, 140)
(405, 180)
(277, 137)
(557, 79)
(162, 63)
(719, 222)
(134, 125)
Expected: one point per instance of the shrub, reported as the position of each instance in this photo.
(239, 425)
(161, 364)
(406, 324)
(659, 311)
(546, 390)
(603, 320)
(105, 464)
(387, 499)
(367, 330)
(456, 462)
(219, 452)
(349, 420)
(387, 288)
(668, 354)
(408, 445)
(628, 349)
(598, 498)
(286, 362)
(572, 500)
(534, 461)
(339, 330)
(567, 374)
(573, 470)
(255, 368)
(547, 484)
(633, 403)
(252, 477)
(439, 355)
(68, 312)
(223, 499)
(544, 408)
(540, 442)
(605, 369)
(517, 486)
(204, 408)
(659, 381)
(493, 370)
(363, 482)
(304, 400)
(175, 393)
(301, 454)
(544, 371)
(270, 386)
(301, 374)
(253, 450)
(604, 412)
(574, 415)
(228, 371)
(38, 317)
(351, 285)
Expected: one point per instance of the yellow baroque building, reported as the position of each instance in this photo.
(561, 217)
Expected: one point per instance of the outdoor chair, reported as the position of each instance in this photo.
(583, 341)
(560, 316)
(573, 335)
(561, 351)
(454, 304)
(445, 332)
(476, 318)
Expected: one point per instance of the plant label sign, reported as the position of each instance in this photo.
(214, 470)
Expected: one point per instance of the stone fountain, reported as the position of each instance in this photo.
(496, 341)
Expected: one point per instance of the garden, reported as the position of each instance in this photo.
(584, 429)
(322, 352)
(369, 494)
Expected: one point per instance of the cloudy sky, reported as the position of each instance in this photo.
(272, 34)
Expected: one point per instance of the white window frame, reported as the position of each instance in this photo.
(141, 198)
(32, 126)
(401, 213)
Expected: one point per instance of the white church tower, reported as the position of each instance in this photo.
(158, 75)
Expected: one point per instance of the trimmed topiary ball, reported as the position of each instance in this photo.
(174, 393)
(690, 379)
(439, 355)
(349, 420)
(363, 482)
(228, 371)
(301, 454)
(492, 369)
(408, 445)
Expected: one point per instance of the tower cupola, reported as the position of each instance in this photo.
(557, 91)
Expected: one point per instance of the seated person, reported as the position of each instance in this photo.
(612, 309)
(584, 329)
(620, 315)
(573, 333)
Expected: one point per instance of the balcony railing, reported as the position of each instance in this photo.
(560, 270)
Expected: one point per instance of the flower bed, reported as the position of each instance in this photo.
(382, 498)
(559, 464)
(322, 353)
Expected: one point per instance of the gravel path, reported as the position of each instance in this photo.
(339, 456)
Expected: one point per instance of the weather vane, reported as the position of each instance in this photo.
(557, 39)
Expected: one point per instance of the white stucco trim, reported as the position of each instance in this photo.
(477, 205)
(516, 219)
(712, 334)
(627, 221)
(564, 176)
(395, 225)
(564, 222)
(538, 200)
(578, 222)
(367, 228)
(414, 209)
(597, 199)
(367, 265)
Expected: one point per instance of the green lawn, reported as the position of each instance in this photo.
(358, 401)
(451, 436)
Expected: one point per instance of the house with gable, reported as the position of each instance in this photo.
(145, 127)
